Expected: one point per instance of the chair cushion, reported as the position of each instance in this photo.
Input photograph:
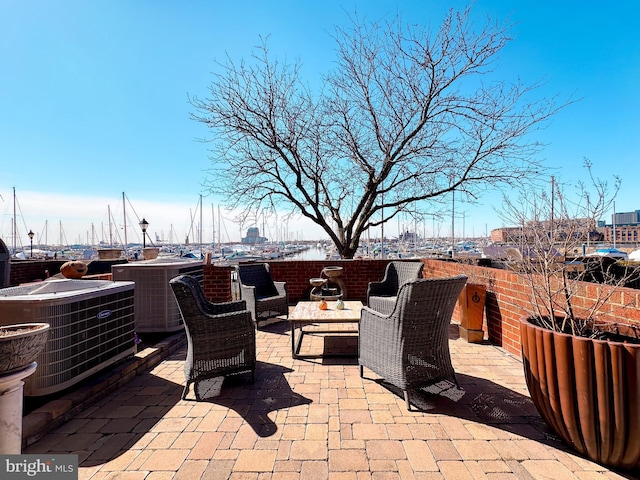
(258, 276)
(266, 290)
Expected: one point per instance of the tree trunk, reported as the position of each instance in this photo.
(347, 252)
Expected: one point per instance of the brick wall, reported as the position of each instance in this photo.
(356, 275)
(217, 283)
(508, 300)
(27, 271)
(507, 294)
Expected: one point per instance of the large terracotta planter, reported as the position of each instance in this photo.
(588, 392)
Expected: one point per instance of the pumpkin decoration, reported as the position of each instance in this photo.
(73, 269)
(323, 304)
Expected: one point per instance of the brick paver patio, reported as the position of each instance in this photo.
(317, 419)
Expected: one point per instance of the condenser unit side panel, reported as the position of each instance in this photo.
(156, 308)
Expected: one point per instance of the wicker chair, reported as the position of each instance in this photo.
(381, 296)
(221, 337)
(409, 348)
(265, 298)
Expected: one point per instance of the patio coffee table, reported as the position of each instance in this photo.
(307, 313)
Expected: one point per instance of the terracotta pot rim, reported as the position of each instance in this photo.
(33, 329)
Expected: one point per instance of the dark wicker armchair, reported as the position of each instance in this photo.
(381, 296)
(265, 298)
(409, 347)
(221, 337)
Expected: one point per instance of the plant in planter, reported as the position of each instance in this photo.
(582, 371)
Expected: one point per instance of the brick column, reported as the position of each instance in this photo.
(217, 283)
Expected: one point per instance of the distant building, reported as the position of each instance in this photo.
(576, 228)
(505, 234)
(408, 237)
(624, 234)
(253, 237)
(626, 218)
(626, 226)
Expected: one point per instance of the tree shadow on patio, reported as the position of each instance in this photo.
(481, 401)
(254, 403)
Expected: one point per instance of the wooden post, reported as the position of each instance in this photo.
(472, 300)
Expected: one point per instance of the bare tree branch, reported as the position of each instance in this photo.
(550, 229)
(406, 116)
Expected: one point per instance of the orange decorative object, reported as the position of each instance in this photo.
(74, 269)
(323, 304)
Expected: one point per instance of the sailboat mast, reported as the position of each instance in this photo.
(15, 223)
(110, 228)
(219, 226)
(213, 226)
(201, 224)
(124, 214)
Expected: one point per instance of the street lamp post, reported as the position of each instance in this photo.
(143, 225)
(31, 234)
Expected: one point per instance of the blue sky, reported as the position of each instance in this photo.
(94, 101)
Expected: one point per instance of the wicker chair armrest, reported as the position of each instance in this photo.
(281, 287)
(377, 332)
(369, 314)
(248, 290)
(248, 294)
(232, 320)
(225, 307)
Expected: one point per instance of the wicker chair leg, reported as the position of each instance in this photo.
(406, 399)
(185, 391)
(253, 376)
(361, 371)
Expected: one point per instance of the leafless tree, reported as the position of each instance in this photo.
(407, 116)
